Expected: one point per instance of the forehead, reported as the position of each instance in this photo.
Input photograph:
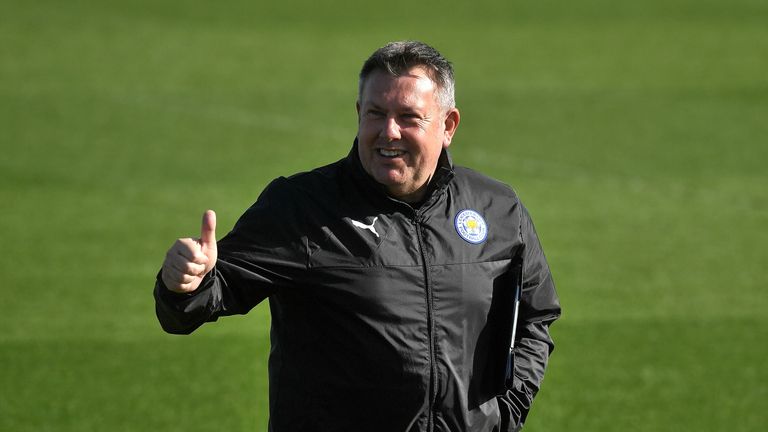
(413, 87)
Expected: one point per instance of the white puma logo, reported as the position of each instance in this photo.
(364, 226)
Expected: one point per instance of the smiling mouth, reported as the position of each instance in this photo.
(388, 153)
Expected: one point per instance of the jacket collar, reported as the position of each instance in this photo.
(437, 185)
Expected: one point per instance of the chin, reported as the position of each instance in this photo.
(389, 178)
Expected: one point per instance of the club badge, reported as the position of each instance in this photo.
(471, 226)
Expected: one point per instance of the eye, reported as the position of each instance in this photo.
(375, 113)
(411, 117)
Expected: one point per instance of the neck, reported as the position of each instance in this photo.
(413, 197)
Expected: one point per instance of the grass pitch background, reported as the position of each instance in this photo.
(634, 131)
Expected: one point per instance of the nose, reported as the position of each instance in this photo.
(391, 129)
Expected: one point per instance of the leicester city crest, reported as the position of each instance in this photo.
(471, 226)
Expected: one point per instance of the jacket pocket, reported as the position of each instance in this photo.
(516, 286)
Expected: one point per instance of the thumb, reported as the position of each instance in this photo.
(208, 229)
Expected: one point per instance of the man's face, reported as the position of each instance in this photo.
(402, 131)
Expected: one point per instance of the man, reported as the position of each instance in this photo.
(392, 276)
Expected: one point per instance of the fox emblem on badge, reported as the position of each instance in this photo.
(471, 226)
(368, 227)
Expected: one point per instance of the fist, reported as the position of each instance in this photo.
(189, 259)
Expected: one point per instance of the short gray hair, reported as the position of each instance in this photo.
(396, 58)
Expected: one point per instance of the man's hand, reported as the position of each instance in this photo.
(188, 260)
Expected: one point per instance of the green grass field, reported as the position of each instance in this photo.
(636, 132)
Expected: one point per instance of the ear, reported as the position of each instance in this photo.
(357, 107)
(452, 119)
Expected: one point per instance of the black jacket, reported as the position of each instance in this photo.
(385, 317)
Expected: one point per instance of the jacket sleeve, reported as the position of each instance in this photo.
(261, 254)
(539, 307)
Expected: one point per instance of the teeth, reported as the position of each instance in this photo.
(390, 153)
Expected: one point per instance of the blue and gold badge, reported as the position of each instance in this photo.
(471, 226)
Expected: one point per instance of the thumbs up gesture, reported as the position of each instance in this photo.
(189, 259)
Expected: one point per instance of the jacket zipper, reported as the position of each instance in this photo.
(430, 326)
